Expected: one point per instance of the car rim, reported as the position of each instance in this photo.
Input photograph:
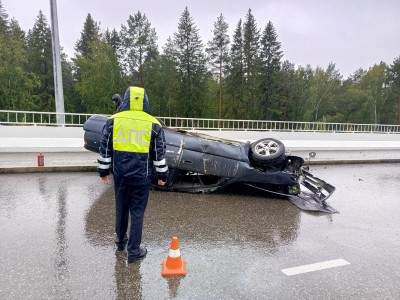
(266, 148)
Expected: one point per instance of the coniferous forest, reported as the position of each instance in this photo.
(242, 76)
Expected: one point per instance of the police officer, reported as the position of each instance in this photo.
(133, 142)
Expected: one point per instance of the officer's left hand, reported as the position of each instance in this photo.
(160, 182)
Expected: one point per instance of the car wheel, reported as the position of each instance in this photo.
(267, 152)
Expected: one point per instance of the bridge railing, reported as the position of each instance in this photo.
(75, 119)
(14, 117)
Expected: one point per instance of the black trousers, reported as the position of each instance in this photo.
(130, 200)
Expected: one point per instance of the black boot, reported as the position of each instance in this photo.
(142, 254)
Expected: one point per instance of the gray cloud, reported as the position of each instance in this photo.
(352, 34)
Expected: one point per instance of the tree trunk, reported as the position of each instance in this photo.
(398, 112)
(220, 97)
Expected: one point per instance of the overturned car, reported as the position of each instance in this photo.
(202, 163)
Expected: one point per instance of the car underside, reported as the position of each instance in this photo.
(200, 163)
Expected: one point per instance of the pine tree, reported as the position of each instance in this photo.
(90, 33)
(190, 59)
(16, 82)
(270, 58)
(3, 19)
(114, 40)
(169, 49)
(235, 79)
(14, 30)
(251, 67)
(40, 60)
(218, 53)
(138, 40)
(271, 53)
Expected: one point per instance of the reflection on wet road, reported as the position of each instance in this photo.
(57, 235)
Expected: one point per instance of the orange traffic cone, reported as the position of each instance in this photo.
(174, 265)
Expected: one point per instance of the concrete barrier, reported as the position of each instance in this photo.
(41, 138)
(63, 147)
(70, 139)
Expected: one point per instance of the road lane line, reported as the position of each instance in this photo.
(315, 267)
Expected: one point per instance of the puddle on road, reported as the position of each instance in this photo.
(59, 230)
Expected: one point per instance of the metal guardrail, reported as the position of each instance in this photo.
(74, 119)
(16, 117)
(255, 125)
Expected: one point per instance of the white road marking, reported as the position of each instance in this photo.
(315, 267)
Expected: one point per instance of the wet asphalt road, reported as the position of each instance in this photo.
(57, 233)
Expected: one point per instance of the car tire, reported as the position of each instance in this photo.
(267, 152)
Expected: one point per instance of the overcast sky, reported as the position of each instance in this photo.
(349, 33)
